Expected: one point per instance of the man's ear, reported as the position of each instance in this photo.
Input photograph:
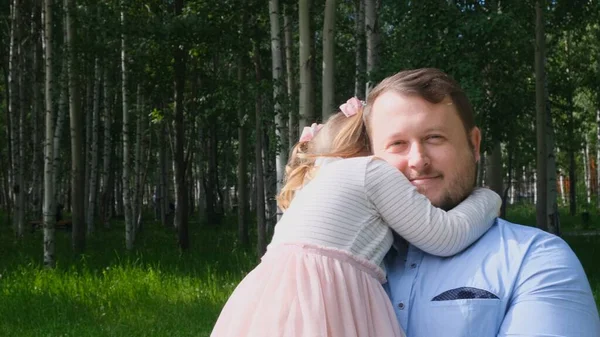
(475, 141)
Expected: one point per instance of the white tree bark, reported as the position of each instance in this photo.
(328, 60)
(49, 181)
(587, 172)
(129, 234)
(277, 71)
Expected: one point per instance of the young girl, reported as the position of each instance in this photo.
(322, 274)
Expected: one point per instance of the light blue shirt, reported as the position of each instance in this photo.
(514, 281)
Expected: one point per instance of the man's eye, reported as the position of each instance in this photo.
(435, 138)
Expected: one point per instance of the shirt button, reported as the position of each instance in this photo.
(401, 305)
(413, 266)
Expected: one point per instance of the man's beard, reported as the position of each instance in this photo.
(458, 189)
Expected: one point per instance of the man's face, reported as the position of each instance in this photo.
(428, 143)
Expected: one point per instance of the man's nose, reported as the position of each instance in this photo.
(418, 159)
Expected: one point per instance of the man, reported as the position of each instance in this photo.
(515, 280)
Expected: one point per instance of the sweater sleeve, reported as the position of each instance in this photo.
(412, 216)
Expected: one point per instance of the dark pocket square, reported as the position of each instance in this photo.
(464, 293)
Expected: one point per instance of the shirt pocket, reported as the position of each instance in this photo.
(477, 317)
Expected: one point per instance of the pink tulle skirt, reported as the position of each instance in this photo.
(301, 290)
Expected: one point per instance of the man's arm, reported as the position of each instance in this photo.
(551, 296)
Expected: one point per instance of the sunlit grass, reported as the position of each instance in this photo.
(153, 291)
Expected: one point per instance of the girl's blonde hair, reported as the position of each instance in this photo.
(340, 136)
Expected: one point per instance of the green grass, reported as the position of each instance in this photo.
(152, 291)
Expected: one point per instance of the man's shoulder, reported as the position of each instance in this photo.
(504, 229)
(524, 241)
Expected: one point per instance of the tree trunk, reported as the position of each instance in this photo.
(20, 171)
(481, 170)
(509, 185)
(270, 183)
(359, 73)
(291, 82)
(37, 153)
(562, 190)
(94, 149)
(77, 158)
(163, 194)
(372, 36)
(49, 181)
(126, 184)
(552, 215)
(60, 123)
(212, 176)
(542, 152)
(139, 152)
(598, 152)
(106, 186)
(328, 60)
(242, 177)
(585, 153)
(13, 112)
(260, 184)
(307, 115)
(278, 92)
(88, 112)
(181, 208)
(571, 155)
(495, 173)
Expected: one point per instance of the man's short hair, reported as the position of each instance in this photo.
(431, 84)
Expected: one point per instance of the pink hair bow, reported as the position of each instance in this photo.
(310, 131)
(351, 107)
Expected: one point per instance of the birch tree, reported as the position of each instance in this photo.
(277, 71)
(372, 36)
(181, 209)
(328, 60)
(359, 73)
(542, 153)
(307, 115)
(290, 78)
(16, 118)
(126, 196)
(107, 172)
(261, 244)
(49, 182)
(242, 176)
(77, 158)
